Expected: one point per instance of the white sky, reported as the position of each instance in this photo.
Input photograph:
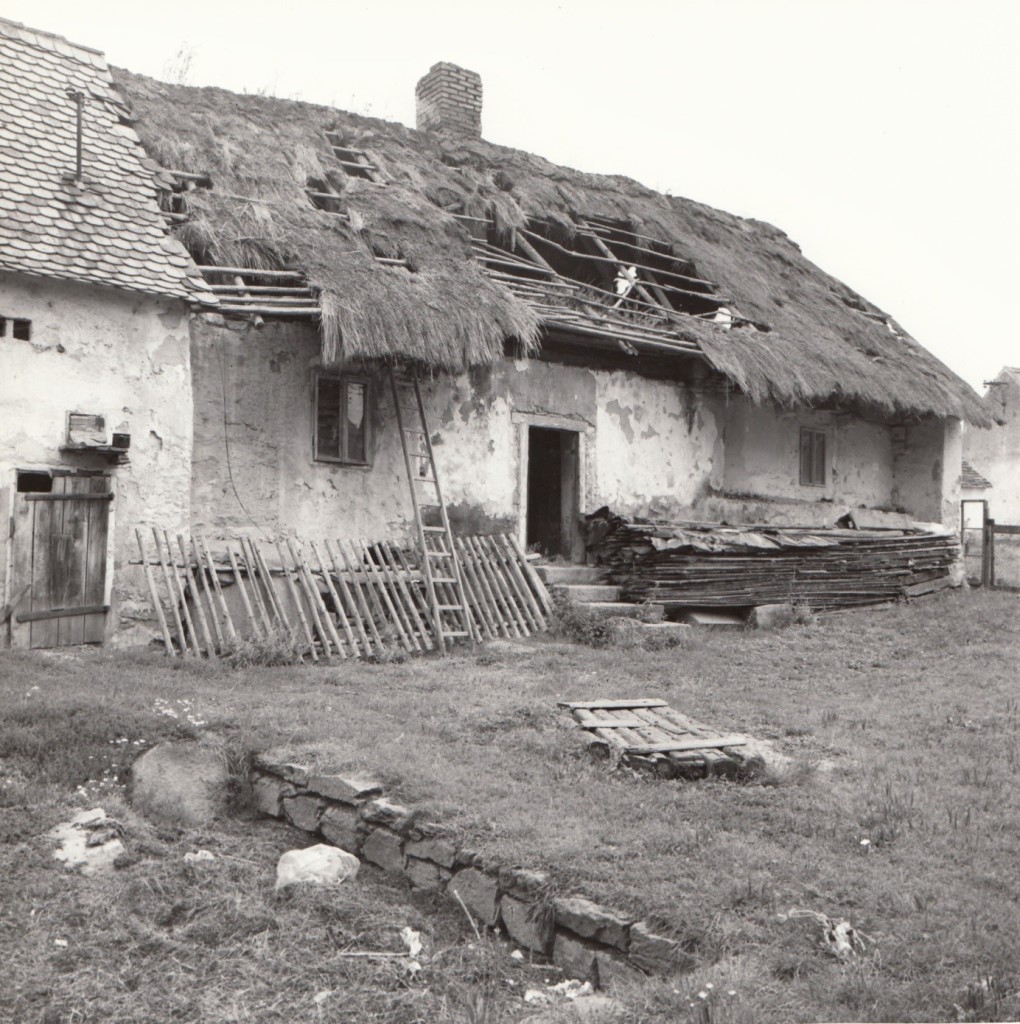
(882, 135)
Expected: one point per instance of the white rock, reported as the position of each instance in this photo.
(321, 863)
(77, 844)
(200, 857)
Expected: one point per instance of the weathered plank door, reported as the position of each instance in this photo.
(59, 547)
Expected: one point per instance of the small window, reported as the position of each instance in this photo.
(341, 419)
(812, 458)
(21, 330)
(30, 482)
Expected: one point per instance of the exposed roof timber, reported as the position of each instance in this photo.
(351, 159)
(615, 261)
(290, 298)
(608, 236)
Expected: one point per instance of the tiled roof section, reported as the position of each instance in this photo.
(106, 229)
(972, 480)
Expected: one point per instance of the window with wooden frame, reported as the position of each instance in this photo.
(342, 419)
(812, 457)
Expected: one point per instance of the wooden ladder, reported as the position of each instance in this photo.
(440, 565)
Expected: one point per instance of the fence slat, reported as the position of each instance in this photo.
(347, 602)
(154, 594)
(335, 598)
(372, 569)
(171, 596)
(473, 590)
(405, 586)
(296, 599)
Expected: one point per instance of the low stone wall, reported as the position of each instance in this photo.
(587, 941)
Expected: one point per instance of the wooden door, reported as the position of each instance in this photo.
(59, 548)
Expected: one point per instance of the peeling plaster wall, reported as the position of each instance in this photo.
(659, 446)
(252, 461)
(763, 455)
(645, 443)
(927, 468)
(100, 350)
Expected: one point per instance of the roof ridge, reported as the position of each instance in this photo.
(52, 42)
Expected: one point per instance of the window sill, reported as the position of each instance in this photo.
(340, 463)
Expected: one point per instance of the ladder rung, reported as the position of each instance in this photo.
(443, 579)
(438, 554)
(450, 607)
(434, 529)
(458, 632)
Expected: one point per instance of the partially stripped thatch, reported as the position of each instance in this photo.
(824, 343)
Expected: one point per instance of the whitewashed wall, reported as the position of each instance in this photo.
(100, 350)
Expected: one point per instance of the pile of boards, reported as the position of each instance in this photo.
(692, 565)
(647, 733)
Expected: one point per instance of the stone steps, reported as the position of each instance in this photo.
(570, 575)
(584, 593)
(625, 610)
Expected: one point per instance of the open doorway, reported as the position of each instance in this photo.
(553, 492)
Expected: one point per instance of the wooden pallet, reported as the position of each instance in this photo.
(647, 733)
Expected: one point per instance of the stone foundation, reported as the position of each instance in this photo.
(587, 941)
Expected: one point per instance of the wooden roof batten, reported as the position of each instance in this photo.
(648, 324)
(590, 312)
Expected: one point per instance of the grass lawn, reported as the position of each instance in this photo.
(898, 809)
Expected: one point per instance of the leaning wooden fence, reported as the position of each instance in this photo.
(332, 599)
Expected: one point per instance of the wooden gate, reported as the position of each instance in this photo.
(59, 548)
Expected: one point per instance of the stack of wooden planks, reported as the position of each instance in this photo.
(331, 599)
(691, 565)
(647, 733)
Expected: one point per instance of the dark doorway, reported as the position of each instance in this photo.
(552, 491)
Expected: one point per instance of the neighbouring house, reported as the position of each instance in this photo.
(582, 340)
(95, 380)
(992, 456)
(991, 477)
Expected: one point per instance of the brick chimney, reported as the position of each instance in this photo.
(450, 98)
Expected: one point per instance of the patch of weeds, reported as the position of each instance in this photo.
(861, 988)
(88, 748)
(266, 650)
(988, 998)
(803, 615)
(888, 812)
(578, 624)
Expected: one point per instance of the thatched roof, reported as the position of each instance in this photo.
(817, 342)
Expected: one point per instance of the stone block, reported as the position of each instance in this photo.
(439, 851)
(529, 924)
(575, 956)
(424, 874)
(480, 893)
(626, 610)
(614, 969)
(295, 773)
(339, 824)
(181, 783)
(268, 791)
(384, 812)
(656, 954)
(591, 921)
(522, 881)
(771, 616)
(302, 811)
(709, 619)
(349, 789)
(384, 849)
(658, 635)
